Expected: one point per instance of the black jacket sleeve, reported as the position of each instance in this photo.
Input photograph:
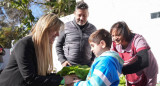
(141, 63)
(49, 80)
(27, 64)
(59, 47)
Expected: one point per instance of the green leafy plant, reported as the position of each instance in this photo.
(122, 80)
(81, 71)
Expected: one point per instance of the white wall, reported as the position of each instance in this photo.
(136, 13)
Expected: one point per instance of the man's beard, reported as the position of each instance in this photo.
(81, 23)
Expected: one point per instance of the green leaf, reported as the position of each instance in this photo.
(122, 80)
(81, 71)
(25, 1)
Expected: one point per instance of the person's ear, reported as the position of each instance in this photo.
(88, 14)
(102, 42)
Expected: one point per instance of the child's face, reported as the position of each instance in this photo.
(96, 48)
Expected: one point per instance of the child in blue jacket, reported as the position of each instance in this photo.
(107, 67)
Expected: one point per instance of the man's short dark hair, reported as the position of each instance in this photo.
(81, 5)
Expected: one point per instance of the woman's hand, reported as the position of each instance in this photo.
(71, 79)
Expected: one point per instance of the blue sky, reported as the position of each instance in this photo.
(37, 11)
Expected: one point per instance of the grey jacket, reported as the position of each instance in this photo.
(72, 44)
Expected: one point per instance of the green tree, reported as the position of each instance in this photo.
(62, 7)
(7, 35)
(18, 18)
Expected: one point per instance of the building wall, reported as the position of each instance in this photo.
(136, 13)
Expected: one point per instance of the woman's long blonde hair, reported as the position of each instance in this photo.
(43, 49)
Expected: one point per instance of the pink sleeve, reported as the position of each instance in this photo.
(140, 43)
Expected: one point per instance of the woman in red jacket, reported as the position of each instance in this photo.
(140, 65)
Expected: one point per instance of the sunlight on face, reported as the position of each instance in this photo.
(116, 38)
(81, 16)
(96, 48)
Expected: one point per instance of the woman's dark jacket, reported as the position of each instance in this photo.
(22, 67)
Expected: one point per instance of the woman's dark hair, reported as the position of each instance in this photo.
(99, 35)
(122, 29)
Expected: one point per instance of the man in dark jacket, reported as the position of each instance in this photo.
(72, 45)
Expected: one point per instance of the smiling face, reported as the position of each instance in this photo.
(121, 34)
(81, 16)
(118, 39)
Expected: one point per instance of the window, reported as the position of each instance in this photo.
(155, 15)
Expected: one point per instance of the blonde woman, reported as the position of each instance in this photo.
(31, 61)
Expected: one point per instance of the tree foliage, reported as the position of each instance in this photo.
(8, 34)
(17, 16)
